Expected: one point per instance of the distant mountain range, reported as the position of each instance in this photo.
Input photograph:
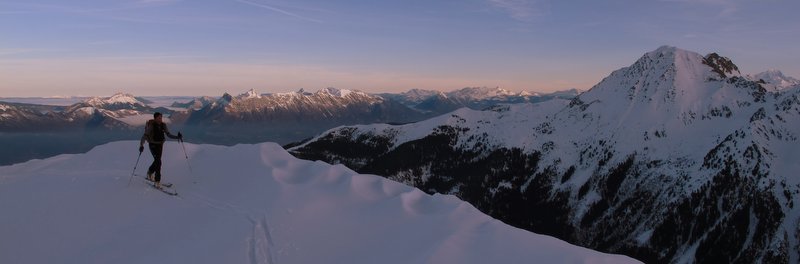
(329, 105)
(109, 113)
(247, 118)
(678, 158)
(437, 102)
(325, 108)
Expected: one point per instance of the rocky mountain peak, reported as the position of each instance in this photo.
(672, 79)
(336, 91)
(478, 93)
(419, 94)
(116, 99)
(721, 65)
(226, 98)
(776, 79)
(249, 94)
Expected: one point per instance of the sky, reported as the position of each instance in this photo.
(208, 47)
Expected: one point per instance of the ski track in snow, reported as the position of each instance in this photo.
(261, 242)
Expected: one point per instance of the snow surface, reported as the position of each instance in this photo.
(246, 204)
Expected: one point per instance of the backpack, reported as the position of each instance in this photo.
(154, 132)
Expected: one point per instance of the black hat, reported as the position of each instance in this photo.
(156, 114)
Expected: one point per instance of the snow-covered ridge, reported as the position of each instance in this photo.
(336, 92)
(339, 92)
(478, 93)
(326, 99)
(775, 79)
(118, 98)
(420, 94)
(246, 204)
(434, 103)
(249, 94)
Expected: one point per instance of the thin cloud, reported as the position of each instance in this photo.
(15, 51)
(522, 10)
(152, 3)
(35, 8)
(156, 1)
(278, 10)
(727, 8)
(104, 42)
(117, 12)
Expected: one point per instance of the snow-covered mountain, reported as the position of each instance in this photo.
(250, 94)
(195, 103)
(246, 204)
(292, 116)
(329, 105)
(16, 116)
(565, 94)
(417, 95)
(30, 118)
(118, 101)
(674, 159)
(478, 98)
(480, 93)
(118, 112)
(775, 80)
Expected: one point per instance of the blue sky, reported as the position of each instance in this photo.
(207, 47)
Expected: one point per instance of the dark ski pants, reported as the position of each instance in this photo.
(156, 150)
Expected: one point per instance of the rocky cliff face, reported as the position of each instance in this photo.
(676, 158)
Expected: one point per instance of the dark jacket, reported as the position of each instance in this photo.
(154, 133)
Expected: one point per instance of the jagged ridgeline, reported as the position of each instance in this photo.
(677, 158)
(292, 116)
(39, 131)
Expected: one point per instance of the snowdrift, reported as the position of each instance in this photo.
(245, 204)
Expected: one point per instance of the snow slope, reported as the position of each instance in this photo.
(676, 158)
(246, 204)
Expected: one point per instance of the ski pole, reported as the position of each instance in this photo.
(187, 157)
(134, 168)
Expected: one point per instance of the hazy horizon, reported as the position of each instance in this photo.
(234, 93)
(208, 47)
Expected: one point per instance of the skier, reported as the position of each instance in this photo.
(154, 132)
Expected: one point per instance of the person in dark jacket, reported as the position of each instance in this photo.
(154, 132)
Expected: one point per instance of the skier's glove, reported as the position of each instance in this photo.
(141, 148)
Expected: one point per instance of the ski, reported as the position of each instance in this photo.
(163, 184)
(163, 189)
